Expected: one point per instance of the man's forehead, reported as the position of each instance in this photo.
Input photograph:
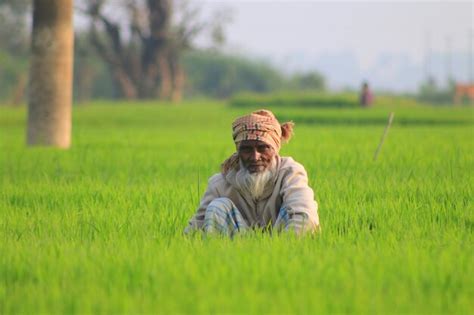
(252, 143)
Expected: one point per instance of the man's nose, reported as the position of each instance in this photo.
(255, 155)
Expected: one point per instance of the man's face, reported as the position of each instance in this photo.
(256, 155)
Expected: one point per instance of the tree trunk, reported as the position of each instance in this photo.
(166, 84)
(19, 91)
(178, 81)
(50, 81)
(127, 87)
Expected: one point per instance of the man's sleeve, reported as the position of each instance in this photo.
(211, 193)
(298, 201)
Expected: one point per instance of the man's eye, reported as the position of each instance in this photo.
(245, 149)
(263, 148)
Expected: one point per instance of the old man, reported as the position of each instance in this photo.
(257, 188)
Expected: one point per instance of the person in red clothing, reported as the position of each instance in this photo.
(366, 96)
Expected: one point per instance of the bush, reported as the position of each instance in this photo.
(322, 100)
(430, 92)
(218, 75)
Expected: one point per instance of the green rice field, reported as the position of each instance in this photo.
(98, 228)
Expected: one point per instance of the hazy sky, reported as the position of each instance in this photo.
(280, 28)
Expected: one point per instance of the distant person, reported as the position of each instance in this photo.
(257, 189)
(366, 96)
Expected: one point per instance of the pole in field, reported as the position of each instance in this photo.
(449, 62)
(385, 132)
(471, 53)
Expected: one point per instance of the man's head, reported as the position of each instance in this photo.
(258, 138)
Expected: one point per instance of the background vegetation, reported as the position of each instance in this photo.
(104, 55)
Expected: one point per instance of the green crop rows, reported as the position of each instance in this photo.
(98, 228)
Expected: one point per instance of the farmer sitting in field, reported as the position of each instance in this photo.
(257, 188)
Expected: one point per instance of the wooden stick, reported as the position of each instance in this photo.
(390, 119)
(199, 187)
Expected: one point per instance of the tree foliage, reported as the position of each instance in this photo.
(313, 81)
(143, 49)
(14, 44)
(215, 74)
(430, 92)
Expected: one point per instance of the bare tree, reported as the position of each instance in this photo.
(50, 80)
(145, 57)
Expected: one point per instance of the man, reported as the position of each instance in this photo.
(258, 189)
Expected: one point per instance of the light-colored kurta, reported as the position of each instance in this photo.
(288, 189)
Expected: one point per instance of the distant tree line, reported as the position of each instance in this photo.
(14, 49)
(149, 52)
(431, 92)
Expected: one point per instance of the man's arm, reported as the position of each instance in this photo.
(211, 193)
(298, 201)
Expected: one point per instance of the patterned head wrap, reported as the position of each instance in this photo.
(259, 125)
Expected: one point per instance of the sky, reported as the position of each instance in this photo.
(387, 41)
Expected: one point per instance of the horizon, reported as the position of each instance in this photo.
(366, 38)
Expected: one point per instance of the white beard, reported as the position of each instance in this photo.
(254, 183)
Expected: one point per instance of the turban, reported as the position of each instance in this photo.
(259, 125)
